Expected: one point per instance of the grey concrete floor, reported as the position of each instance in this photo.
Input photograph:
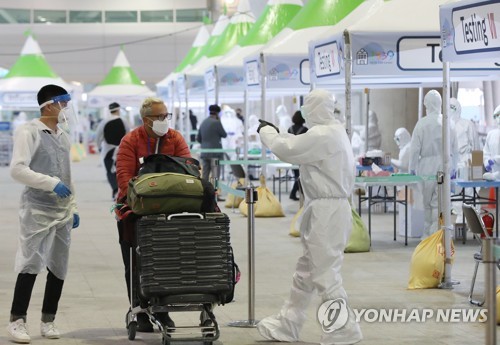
(94, 302)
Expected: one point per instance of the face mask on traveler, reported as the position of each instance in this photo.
(160, 127)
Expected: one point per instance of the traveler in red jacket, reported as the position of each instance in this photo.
(153, 136)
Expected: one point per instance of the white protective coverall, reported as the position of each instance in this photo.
(402, 138)
(327, 173)
(467, 138)
(374, 136)
(426, 158)
(491, 149)
(40, 160)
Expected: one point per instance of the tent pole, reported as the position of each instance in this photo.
(216, 86)
(263, 80)
(446, 191)
(348, 79)
(245, 134)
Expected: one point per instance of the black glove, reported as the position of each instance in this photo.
(264, 124)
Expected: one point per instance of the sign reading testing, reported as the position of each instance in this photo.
(326, 60)
(475, 27)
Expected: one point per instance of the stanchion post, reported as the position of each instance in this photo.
(214, 171)
(250, 199)
(490, 281)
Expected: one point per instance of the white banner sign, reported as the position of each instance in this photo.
(471, 27)
(252, 72)
(231, 78)
(210, 79)
(287, 72)
(27, 99)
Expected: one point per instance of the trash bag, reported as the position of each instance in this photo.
(232, 200)
(295, 226)
(267, 204)
(427, 262)
(498, 305)
(359, 241)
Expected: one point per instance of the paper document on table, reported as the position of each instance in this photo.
(376, 169)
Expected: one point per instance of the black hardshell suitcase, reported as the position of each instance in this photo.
(185, 254)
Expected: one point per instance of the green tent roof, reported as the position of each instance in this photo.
(272, 20)
(31, 62)
(121, 73)
(201, 39)
(323, 13)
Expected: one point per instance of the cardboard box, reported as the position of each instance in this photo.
(476, 172)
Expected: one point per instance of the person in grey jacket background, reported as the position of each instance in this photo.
(209, 136)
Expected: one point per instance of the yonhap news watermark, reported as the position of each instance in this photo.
(334, 314)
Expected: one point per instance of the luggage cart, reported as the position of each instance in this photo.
(5, 143)
(184, 262)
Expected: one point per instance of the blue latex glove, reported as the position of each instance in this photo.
(76, 220)
(62, 190)
(489, 165)
(453, 174)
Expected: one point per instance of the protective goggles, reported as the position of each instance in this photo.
(57, 99)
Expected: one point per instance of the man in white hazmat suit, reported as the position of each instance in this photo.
(491, 150)
(402, 138)
(327, 173)
(426, 156)
(48, 212)
(467, 138)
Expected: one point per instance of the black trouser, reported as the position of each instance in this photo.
(295, 188)
(22, 296)
(109, 164)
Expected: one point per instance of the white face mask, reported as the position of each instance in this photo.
(160, 127)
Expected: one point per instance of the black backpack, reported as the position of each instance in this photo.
(114, 131)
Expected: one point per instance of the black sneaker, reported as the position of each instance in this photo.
(143, 323)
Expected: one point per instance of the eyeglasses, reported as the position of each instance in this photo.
(161, 117)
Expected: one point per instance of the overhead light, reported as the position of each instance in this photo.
(143, 82)
(128, 108)
(84, 97)
(229, 2)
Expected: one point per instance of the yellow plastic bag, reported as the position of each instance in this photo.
(360, 239)
(427, 262)
(267, 204)
(74, 154)
(233, 201)
(498, 305)
(294, 229)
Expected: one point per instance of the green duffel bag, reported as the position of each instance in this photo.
(157, 193)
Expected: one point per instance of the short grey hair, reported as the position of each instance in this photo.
(148, 104)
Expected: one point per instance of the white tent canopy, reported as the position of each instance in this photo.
(120, 85)
(391, 46)
(30, 72)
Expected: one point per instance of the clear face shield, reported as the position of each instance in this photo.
(66, 118)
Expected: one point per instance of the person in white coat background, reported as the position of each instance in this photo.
(426, 157)
(491, 150)
(327, 172)
(467, 138)
(402, 138)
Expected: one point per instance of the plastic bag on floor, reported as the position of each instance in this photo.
(267, 204)
(359, 241)
(232, 200)
(427, 262)
(295, 226)
(498, 305)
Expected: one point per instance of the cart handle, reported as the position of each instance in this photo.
(184, 214)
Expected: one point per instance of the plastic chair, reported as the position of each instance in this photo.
(476, 226)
